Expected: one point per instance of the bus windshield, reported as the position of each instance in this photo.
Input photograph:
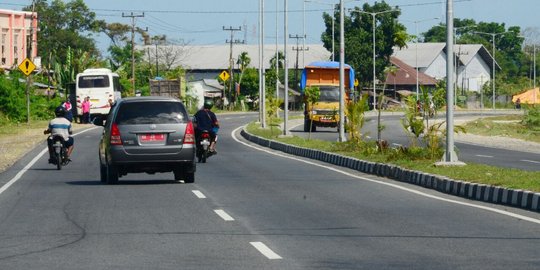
(94, 81)
(329, 93)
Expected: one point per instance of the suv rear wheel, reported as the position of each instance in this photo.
(187, 177)
(112, 174)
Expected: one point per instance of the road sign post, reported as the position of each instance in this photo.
(224, 75)
(27, 67)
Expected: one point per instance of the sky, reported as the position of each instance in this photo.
(202, 21)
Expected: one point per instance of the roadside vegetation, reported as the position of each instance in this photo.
(423, 155)
(525, 127)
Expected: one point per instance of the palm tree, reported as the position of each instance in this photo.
(243, 62)
(388, 70)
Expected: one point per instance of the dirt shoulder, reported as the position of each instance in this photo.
(15, 146)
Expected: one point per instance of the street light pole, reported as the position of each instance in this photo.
(493, 35)
(373, 14)
(285, 69)
(416, 51)
(341, 73)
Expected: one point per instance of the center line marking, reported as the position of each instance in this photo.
(266, 251)
(223, 215)
(199, 194)
(484, 156)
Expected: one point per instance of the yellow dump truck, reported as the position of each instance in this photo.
(325, 75)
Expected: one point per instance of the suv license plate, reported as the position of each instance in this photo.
(158, 137)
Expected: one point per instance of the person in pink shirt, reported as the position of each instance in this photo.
(86, 110)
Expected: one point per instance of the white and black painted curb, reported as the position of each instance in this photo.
(516, 198)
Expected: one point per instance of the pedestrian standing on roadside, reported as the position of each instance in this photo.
(518, 104)
(67, 106)
(86, 110)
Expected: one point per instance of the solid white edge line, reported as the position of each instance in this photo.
(266, 251)
(223, 215)
(531, 161)
(30, 164)
(199, 194)
(491, 209)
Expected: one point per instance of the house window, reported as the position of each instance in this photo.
(16, 49)
(3, 44)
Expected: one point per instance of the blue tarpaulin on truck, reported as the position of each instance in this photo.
(327, 64)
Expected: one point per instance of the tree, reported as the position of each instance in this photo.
(387, 71)
(65, 25)
(243, 62)
(359, 38)
(272, 74)
(356, 118)
(311, 95)
(250, 82)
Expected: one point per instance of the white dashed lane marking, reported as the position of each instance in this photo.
(223, 215)
(266, 251)
(484, 156)
(199, 194)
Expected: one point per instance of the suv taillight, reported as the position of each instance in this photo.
(189, 137)
(115, 135)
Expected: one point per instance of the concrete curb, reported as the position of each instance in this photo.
(491, 194)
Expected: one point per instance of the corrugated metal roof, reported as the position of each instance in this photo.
(427, 52)
(406, 75)
(216, 57)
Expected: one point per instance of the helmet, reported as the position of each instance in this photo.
(208, 104)
(60, 111)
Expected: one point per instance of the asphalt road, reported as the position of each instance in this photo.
(249, 208)
(395, 135)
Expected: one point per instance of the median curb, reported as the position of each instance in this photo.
(491, 194)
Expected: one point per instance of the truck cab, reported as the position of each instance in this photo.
(325, 112)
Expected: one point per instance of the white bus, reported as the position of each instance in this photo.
(101, 85)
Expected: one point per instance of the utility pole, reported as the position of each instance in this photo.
(231, 64)
(28, 78)
(297, 49)
(133, 16)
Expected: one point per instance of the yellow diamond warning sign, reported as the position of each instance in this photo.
(224, 75)
(27, 66)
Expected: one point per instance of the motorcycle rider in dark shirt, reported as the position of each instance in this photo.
(207, 120)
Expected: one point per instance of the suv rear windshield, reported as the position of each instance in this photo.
(135, 113)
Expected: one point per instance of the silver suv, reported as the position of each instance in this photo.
(147, 134)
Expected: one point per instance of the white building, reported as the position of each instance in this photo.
(474, 62)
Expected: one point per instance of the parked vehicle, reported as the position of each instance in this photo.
(102, 86)
(59, 153)
(148, 134)
(325, 75)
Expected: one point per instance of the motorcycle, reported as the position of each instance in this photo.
(203, 146)
(59, 151)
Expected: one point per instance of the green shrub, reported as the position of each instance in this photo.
(532, 118)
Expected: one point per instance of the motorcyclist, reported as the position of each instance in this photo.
(207, 120)
(62, 127)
